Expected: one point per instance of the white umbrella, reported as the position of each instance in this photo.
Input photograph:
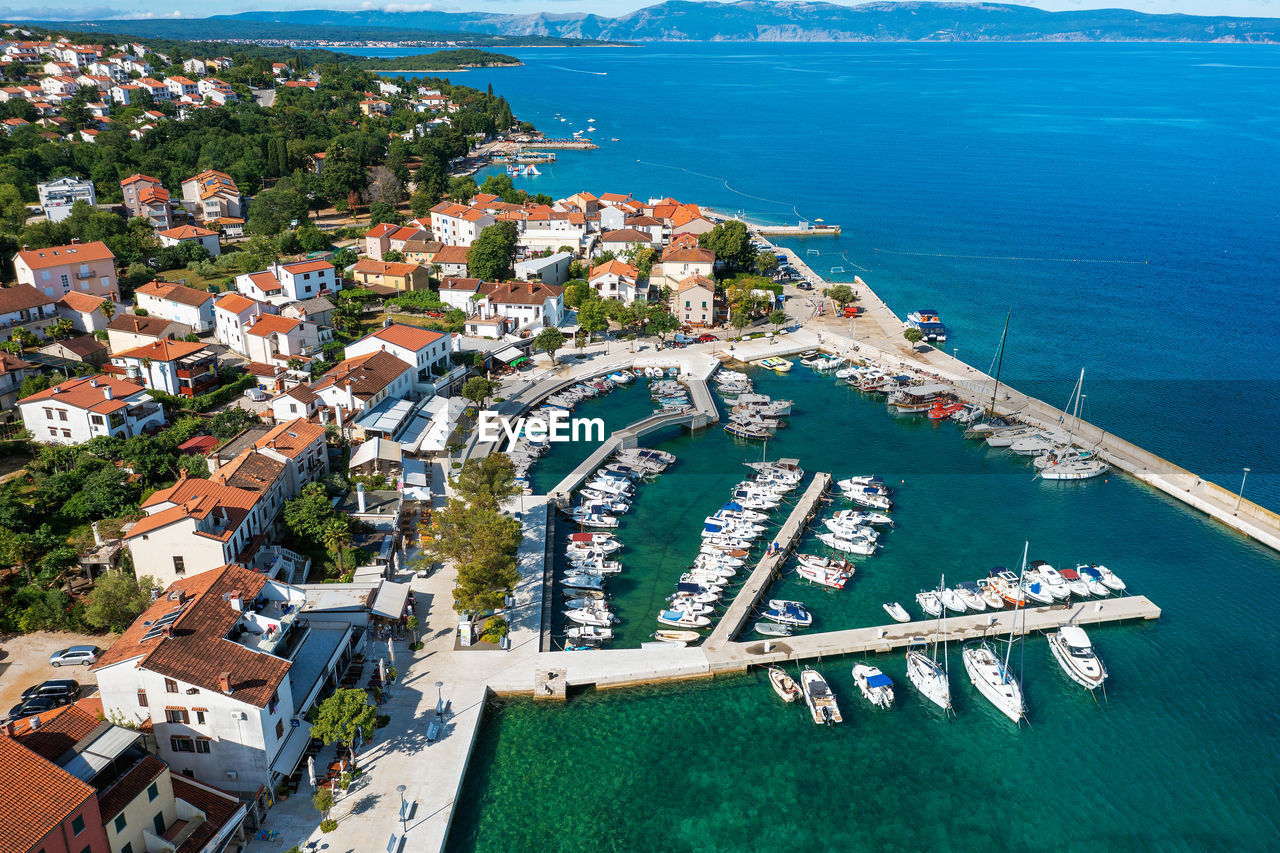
(311, 770)
(391, 651)
(382, 671)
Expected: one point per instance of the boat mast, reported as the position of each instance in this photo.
(999, 364)
(1013, 623)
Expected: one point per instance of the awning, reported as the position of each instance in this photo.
(510, 355)
(391, 600)
(295, 743)
(379, 449)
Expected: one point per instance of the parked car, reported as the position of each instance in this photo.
(257, 395)
(85, 655)
(32, 706)
(63, 689)
(804, 285)
(707, 339)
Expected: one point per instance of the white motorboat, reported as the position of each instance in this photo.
(865, 496)
(1075, 583)
(707, 598)
(859, 480)
(990, 596)
(1050, 577)
(604, 541)
(876, 687)
(771, 629)
(849, 544)
(1033, 445)
(1075, 654)
(596, 616)
(861, 517)
(896, 611)
(591, 519)
(1006, 437)
(928, 676)
(600, 568)
(786, 612)
(589, 632)
(929, 602)
(1036, 591)
(688, 605)
(967, 592)
(851, 529)
(716, 559)
(1109, 578)
(819, 698)
(703, 581)
(580, 603)
(824, 570)
(784, 685)
(577, 581)
(994, 681)
(952, 601)
(682, 619)
(1093, 580)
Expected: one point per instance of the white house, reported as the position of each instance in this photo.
(221, 668)
(458, 225)
(282, 283)
(627, 240)
(174, 367)
(57, 196)
(273, 339)
(232, 315)
(191, 234)
(615, 280)
(362, 382)
(24, 305)
(553, 269)
(460, 293)
(523, 304)
(79, 409)
(86, 313)
(298, 402)
(424, 350)
(178, 302)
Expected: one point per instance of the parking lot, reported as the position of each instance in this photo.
(24, 662)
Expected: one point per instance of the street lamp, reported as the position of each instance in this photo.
(1240, 496)
(439, 699)
(400, 789)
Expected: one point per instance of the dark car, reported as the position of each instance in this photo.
(706, 339)
(804, 285)
(62, 689)
(32, 706)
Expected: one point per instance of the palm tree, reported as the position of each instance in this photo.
(336, 536)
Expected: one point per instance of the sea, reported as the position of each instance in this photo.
(1120, 203)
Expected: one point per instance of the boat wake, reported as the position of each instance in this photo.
(580, 71)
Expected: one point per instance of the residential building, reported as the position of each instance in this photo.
(57, 196)
(387, 237)
(87, 313)
(24, 305)
(174, 367)
(524, 304)
(182, 87)
(458, 225)
(179, 303)
(220, 667)
(211, 195)
(77, 410)
(424, 350)
(232, 316)
(682, 259)
(191, 234)
(129, 330)
(303, 448)
(616, 280)
(388, 277)
(361, 382)
(627, 241)
(86, 267)
(317, 309)
(451, 261)
(552, 269)
(297, 402)
(85, 349)
(13, 372)
(46, 808)
(694, 301)
(283, 283)
(274, 339)
(146, 197)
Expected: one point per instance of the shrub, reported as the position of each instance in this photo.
(328, 825)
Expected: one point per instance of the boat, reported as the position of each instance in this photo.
(867, 496)
(788, 613)
(621, 377)
(605, 541)
(928, 322)
(582, 601)
(591, 616)
(1080, 469)
(942, 410)
(677, 636)
(1036, 591)
(772, 629)
(592, 519)
(589, 632)
(753, 433)
(1006, 437)
(1093, 580)
(863, 545)
(859, 481)
(1109, 578)
(917, 399)
(952, 601)
(876, 687)
(781, 365)
(1033, 445)
(990, 597)
(929, 602)
(603, 568)
(824, 570)
(896, 611)
(682, 619)
(1007, 585)
(1075, 583)
(819, 698)
(784, 685)
(579, 581)
(660, 644)
(968, 592)
(1071, 647)
(990, 673)
(1051, 578)
(929, 677)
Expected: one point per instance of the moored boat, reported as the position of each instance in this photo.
(784, 685)
(589, 632)
(1074, 652)
(994, 681)
(876, 687)
(896, 611)
(682, 619)
(677, 636)
(819, 698)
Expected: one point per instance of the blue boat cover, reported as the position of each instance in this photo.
(688, 587)
(879, 680)
(733, 506)
(1091, 572)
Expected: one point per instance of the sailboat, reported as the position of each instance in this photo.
(1068, 466)
(984, 428)
(990, 673)
(925, 672)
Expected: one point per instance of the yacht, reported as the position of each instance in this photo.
(1093, 580)
(1079, 469)
(1109, 578)
(819, 698)
(1075, 583)
(592, 519)
(861, 517)
(1006, 437)
(1071, 647)
(928, 676)
(876, 687)
(849, 544)
(593, 616)
(1050, 577)
(991, 676)
(867, 496)
(580, 581)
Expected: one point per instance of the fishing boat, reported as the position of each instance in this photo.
(929, 602)
(1071, 647)
(990, 673)
(876, 687)
(784, 685)
(676, 636)
(1075, 583)
(1093, 580)
(1007, 585)
(824, 570)
(788, 613)
(589, 632)
(682, 619)
(863, 545)
(772, 629)
(819, 698)
(747, 431)
(594, 616)
(896, 611)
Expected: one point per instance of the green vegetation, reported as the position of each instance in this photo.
(549, 340)
(117, 599)
(492, 255)
(477, 389)
(842, 295)
(443, 60)
(913, 335)
(732, 245)
(342, 716)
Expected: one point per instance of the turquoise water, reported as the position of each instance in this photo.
(1179, 755)
(1122, 200)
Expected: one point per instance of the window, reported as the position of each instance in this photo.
(182, 744)
(200, 716)
(66, 433)
(273, 703)
(97, 420)
(121, 823)
(77, 824)
(53, 432)
(176, 715)
(179, 566)
(142, 698)
(48, 413)
(153, 792)
(279, 729)
(202, 745)
(62, 414)
(170, 686)
(128, 848)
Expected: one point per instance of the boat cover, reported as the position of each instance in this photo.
(879, 679)
(1091, 572)
(732, 506)
(1069, 574)
(688, 587)
(582, 537)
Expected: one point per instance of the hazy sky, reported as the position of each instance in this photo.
(69, 9)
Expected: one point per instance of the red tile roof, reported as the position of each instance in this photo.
(409, 337)
(368, 374)
(235, 303)
(130, 786)
(179, 293)
(89, 393)
(451, 255)
(627, 235)
(46, 797)
(186, 232)
(85, 303)
(218, 808)
(307, 266)
(268, 324)
(369, 266)
(266, 282)
(76, 253)
(292, 438)
(17, 297)
(162, 350)
(614, 267)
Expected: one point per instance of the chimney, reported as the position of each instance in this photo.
(360, 496)
(97, 536)
(224, 683)
(106, 392)
(237, 600)
(93, 383)
(10, 728)
(35, 721)
(75, 241)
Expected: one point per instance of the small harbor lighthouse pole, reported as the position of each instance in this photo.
(1240, 496)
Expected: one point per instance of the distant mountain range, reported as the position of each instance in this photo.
(780, 20)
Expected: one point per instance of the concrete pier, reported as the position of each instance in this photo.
(766, 571)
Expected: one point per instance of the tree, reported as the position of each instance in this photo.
(24, 338)
(578, 292)
(117, 599)
(307, 515)
(593, 317)
(382, 211)
(343, 716)
(487, 482)
(913, 335)
(549, 340)
(384, 186)
(492, 256)
(477, 389)
(336, 536)
(778, 318)
(661, 321)
(732, 244)
(766, 262)
(393, 256)
(842, 295)
(13, 210)
(33, 385)
(741, 317)
(231, 421)
(322, 800)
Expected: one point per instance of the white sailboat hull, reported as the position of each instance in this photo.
(929, 678)
(988, 674)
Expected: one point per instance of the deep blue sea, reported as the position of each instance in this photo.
(1122, 201)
